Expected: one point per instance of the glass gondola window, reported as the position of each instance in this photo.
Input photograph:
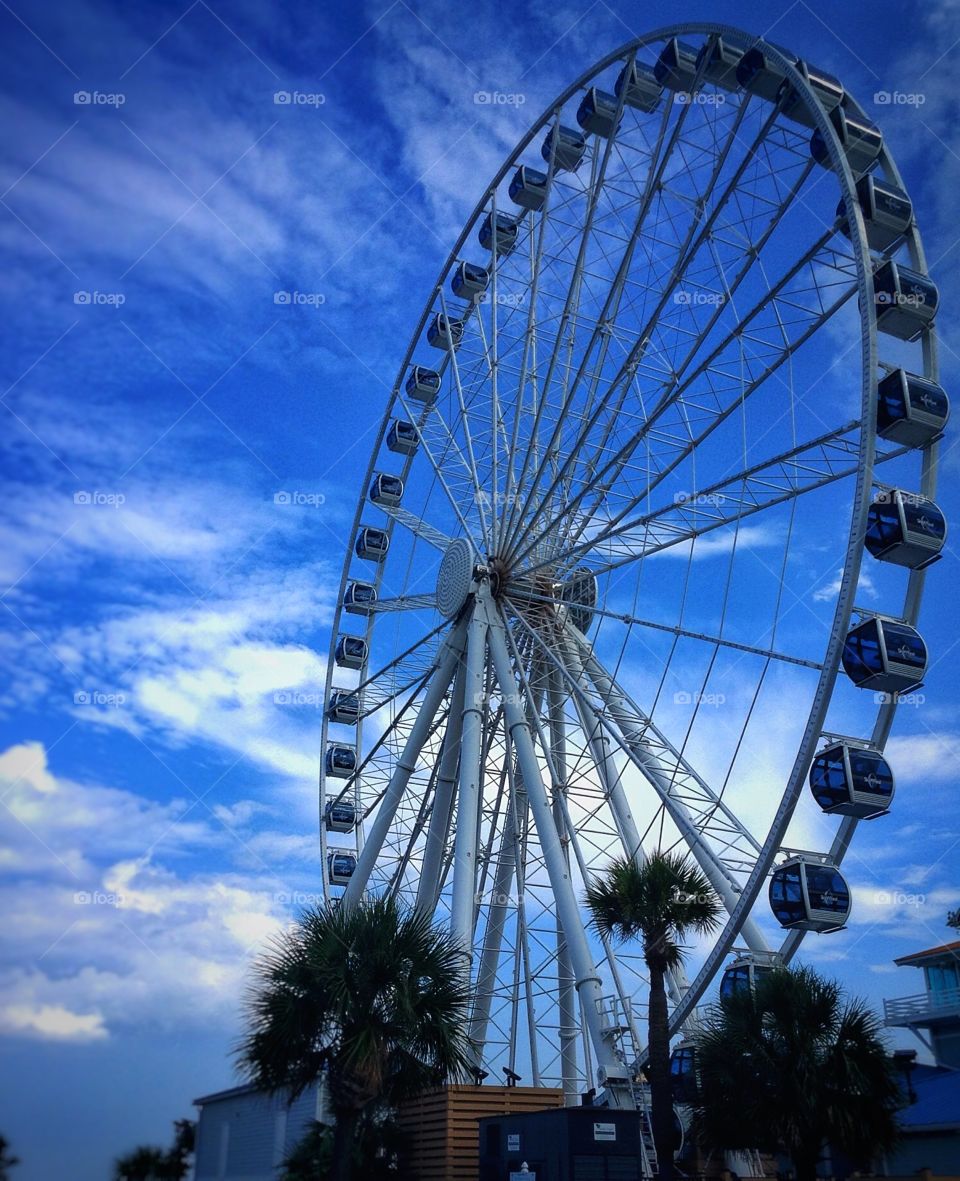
(852, 781)
(403, 438)
(507, 232)
(423, 384)
(906, 529)
(445, 332)
(372, 544)
(676, 66)
(643, 91)
(758, 74)
(683, 1078)
(911, 410)
(528, 188)
(340, 816)
(386, 489)
(885, 655)
(565, 146)
(351, 652)
(720, 61)
(597, 112)
(359, 598)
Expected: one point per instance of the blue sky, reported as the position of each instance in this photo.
(149, 623)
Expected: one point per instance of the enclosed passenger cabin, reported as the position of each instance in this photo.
(340, 761)
(359, 598)
(580, 594)
(887, 212)
(597, 113)
(528, 188)
(422, 385)
(744, 971)
(809, 896)
(911, 410)
(469, 280)
(683, 1072)
(351, 651)
(339, 816)
(759, 74)
(344, 706)
(860, 140)
(885, 655)
(403, 438)
(372, 544)
(719, 60)
(676, 66)
(386, 489)
(340, 868)
(638, 85)
(827, 90)
(570, 146)
(507, 232)
(445, 332)
(851, 780)
(906, 300)
(905, 529)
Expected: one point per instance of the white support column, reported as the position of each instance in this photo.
(468, 796)
(450, 654)
(431, 869)
(567, 1001)
(612, 1074)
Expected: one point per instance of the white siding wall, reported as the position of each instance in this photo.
(245, 1137)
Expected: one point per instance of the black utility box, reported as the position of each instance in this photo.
(566, 1144)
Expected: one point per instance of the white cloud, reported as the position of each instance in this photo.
(925, 758)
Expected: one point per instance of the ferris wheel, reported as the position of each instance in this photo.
(606, 590)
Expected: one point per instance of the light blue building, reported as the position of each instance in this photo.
(244, 1134)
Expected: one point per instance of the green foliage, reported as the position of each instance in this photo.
(148, 1163)
(791, 1065)
(7, 1161)
(376, 1152)
(953, 919)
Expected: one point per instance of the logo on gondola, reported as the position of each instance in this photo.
(828, 899)
(872, 781)
(927, 525)
(905, 651)
(927, 402)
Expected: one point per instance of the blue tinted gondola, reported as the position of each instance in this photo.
(860, 141)
(570, 146)
(340, 868)
(884, 654)
(351, 651)
(676, 66)
(809, 896)
(683, 1076)
(580, 594)
(719, 60)
(643, 91)
(340, 761)
(386, 489)
(887, 212)
(906, 300)
(759, 74)
(372, 544)
(905, 529)
(403, 438)
(344, 706)
(848, 780)
(339, 816)
(911, 410)
(597, 113)
(445, 332)
(827, 90)
(359, 598)
(528, 188)
(744, 971)
(469, 280)
(422, 385)
(507, 231)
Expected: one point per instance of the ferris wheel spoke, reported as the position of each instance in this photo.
(417, 526)
(435, 843)
(403, 603)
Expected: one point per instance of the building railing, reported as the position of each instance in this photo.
(911, 1009)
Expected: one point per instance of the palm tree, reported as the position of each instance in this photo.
(143, 1164)
(660, 901)
(7, 1162)
(790, 1066)
(373, 997)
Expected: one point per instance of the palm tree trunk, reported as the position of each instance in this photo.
(344, 1130)
(661, 1096)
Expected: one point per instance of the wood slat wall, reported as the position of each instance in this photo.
(443, 1128)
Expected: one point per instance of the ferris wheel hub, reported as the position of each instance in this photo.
(455, 580)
